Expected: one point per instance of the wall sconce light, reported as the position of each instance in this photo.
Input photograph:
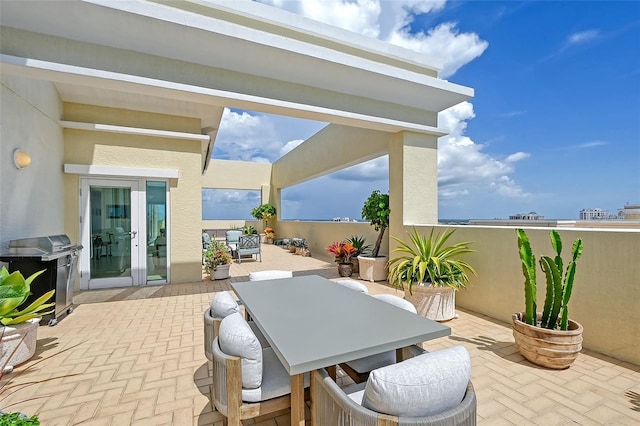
(21, 159)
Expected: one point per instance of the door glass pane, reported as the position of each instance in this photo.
(110, 232)
(156, 231)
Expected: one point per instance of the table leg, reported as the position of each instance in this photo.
(297, 400)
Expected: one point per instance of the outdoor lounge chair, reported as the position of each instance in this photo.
(431, 389)
(249, 381)
(231, 240)
(359, 369)
(223, 305)
(249, 245)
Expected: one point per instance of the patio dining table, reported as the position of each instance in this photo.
(313, 323)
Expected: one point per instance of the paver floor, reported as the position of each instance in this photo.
(135, 356)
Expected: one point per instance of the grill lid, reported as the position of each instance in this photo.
(44, 247)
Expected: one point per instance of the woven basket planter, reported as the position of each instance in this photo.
(556, 349)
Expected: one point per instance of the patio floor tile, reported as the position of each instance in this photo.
(139, 359)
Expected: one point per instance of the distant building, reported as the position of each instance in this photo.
(526, 216)
(630, 212)
(595, 214)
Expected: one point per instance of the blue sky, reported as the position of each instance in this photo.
(554, 126)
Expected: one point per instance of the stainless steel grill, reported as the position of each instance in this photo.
(58, 257)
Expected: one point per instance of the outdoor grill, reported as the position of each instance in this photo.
(58, 257)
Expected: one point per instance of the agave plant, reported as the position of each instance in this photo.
(14, 291)
(359, 242)
(429, 260)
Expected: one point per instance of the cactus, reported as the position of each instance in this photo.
(559, 287)
(529, 271)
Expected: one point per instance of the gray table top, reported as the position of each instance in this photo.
(312, 322)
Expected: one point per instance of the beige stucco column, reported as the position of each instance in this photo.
(413, 181)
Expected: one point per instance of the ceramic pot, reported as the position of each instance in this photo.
(221, 272)
(18, 343)
(373, 268)
(435, 303)
(345, 269)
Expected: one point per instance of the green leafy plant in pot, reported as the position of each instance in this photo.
(218, 260)
(550, 338)
(362, 248)
(376, 210)
(431, 271)
(19, 326)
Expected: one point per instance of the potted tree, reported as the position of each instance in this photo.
(549, 339)
(431, 272)
(376, 210)
(19, 327)
(218, 260)
(264, 212)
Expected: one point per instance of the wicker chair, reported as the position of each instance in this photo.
(249, 381)
(351, 406)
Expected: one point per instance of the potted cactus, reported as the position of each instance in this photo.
(19, 330)
(549, 339)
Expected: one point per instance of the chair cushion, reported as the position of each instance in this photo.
(354, 285)
(275, 380)
(223, 305)
(263, 340)
(397, 301)
(236, 338)
(422, 386)
(269, 275)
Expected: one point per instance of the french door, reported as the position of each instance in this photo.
(110, 233)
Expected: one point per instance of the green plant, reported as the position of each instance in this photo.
(18, 419)
(429, 259)
(359, 242)
(248, 230)
(558, 286)
(376, 210)
(263, 212)
(217, 254)
(14, 291)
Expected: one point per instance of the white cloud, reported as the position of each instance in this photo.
(290, 146)
(582, 37)
(464, 168)
(390, 21)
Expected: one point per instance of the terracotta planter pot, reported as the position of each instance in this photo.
(292, 249)
(221, 272)
(373, 268)
(18, 342)
(435, 303)
(555, 349)
(345, 269)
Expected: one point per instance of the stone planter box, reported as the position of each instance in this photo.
(18, 343)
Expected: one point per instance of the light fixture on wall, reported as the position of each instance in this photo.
(21, 159)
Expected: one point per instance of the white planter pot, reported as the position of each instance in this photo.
(373, 268)
(436, 303)
(221, 272)
(18, 343)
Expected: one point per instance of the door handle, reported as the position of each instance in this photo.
(133, 234)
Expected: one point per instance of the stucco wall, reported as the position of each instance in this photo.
(121, 150)
(606, 292)
(230, 174)
(30, 198)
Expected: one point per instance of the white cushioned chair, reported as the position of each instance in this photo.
(269, 275)
(248, 381)
(223, 305)
(359, 369)
(430, 389)
(354, 285)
